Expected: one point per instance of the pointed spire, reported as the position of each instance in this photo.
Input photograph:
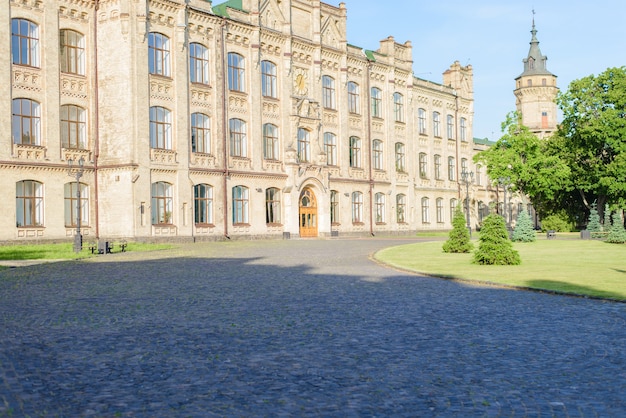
(535, 62)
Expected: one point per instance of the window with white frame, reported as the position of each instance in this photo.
(379, 207)
(357, 207)
(272, 205)
(269, 81)
(355, 152)
(377, 154)
(26, 122)
(423, 165)
(398, 107)
(330, 148)
(160, 128)
(236, 72)
(436, 124)
(421, 121)
(238, 138)
(377, 102)
(425, 210)
(328, 92)
(29, 203)
(162, 203)
(400, 158)
(437, 164)
(354, 105)
(439, 204)
(270, 142)
(198, 63)
(240, 205)
(304, 145)
(25, 42)
(72, 52)
(451, 169)
(159, 54)
(450, 126)
(463, 128)
(203, 204)
(200, 133)
(401, 208)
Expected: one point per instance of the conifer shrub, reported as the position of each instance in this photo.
(459, 237)
(593, 223)
(606, 224)
(494, 246)
(524, 231)
(617, 233)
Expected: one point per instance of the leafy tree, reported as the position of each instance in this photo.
(592, 137)
(459, 237)
(521, 156)
(558, 222)
(494, 246)
(617, 233)
(524, 231)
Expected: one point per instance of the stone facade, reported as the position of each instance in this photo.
(276, 127)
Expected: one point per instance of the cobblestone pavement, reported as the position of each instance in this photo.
(296, 328)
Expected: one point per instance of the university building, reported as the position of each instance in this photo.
(178, 119)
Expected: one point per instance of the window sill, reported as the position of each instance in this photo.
(204, 225)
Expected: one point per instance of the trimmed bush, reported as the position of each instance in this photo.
(556, 222)
(593, 223)
(524, 231)
(494, 247)
(459, 238)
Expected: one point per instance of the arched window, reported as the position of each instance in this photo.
(330, 148)
(379, 207)
(238, 138)
(328, 92)
(25, 42)
(453, 205)
(451, 169)
(425, 210)
(236, 72)
(377, 154)
(200, 133)
(203, 204)
(450, 126)
(73, 127)
(400, 158)
(421, 121)
(29, 203)
(160, 128)
(423, 162)
(377, 102)
(159, 54)
(357, 207)
(71, 206)
(354, 105)
(437, 124)
(198, 63)
(355, 152)
(304, 145)
(162, 203)
(268, 79)
(401, 208)
(270, 142)
(26, 121)
(437, 164)
(398, 107)
(272, 205)
(72, 52)
(440, 216)
(240, 205)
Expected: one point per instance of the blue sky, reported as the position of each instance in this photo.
(579, 38)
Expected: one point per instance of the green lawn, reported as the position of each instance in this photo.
(582, 267)
(63, 251)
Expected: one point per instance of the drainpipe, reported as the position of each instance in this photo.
(369, 147)
(224, 124)
(96, 144)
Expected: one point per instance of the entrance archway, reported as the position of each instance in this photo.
(308, 214)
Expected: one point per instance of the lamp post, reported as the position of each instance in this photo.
(504, 182)
(77, 173)
(468, 178)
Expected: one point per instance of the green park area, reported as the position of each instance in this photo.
(567, 264)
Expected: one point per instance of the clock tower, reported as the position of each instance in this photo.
(535, 91)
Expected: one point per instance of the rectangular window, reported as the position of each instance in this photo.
(272, 206)
(304, 145)
(401, 208)
(451, 169)
(334, 207)
(437, 167)
(450, 126)
(463, 129)
(270, 141)
(240, 205)
(200, 133)
(421, 121)
(398, 107)
(160, 128)
(198, 63)
(328, 92)
(29, 203)
(203, 204)
(379, 207)
(238, 139)
(72, 52)
(330, 148)
(425, 210)
(357, 207)
(377, 102)
(159, 54)
(377, 154)
(400, 158)
(73, 127)
(355, 152)
(71, 204)
(439, 203)
(236, 72)
(26, 122)
(436, 124)
(423, 162)
(24, 42)
(162, 203)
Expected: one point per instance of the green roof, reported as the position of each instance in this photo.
(484, 141)
(220, 9)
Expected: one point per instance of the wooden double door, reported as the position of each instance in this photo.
(308, 214)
